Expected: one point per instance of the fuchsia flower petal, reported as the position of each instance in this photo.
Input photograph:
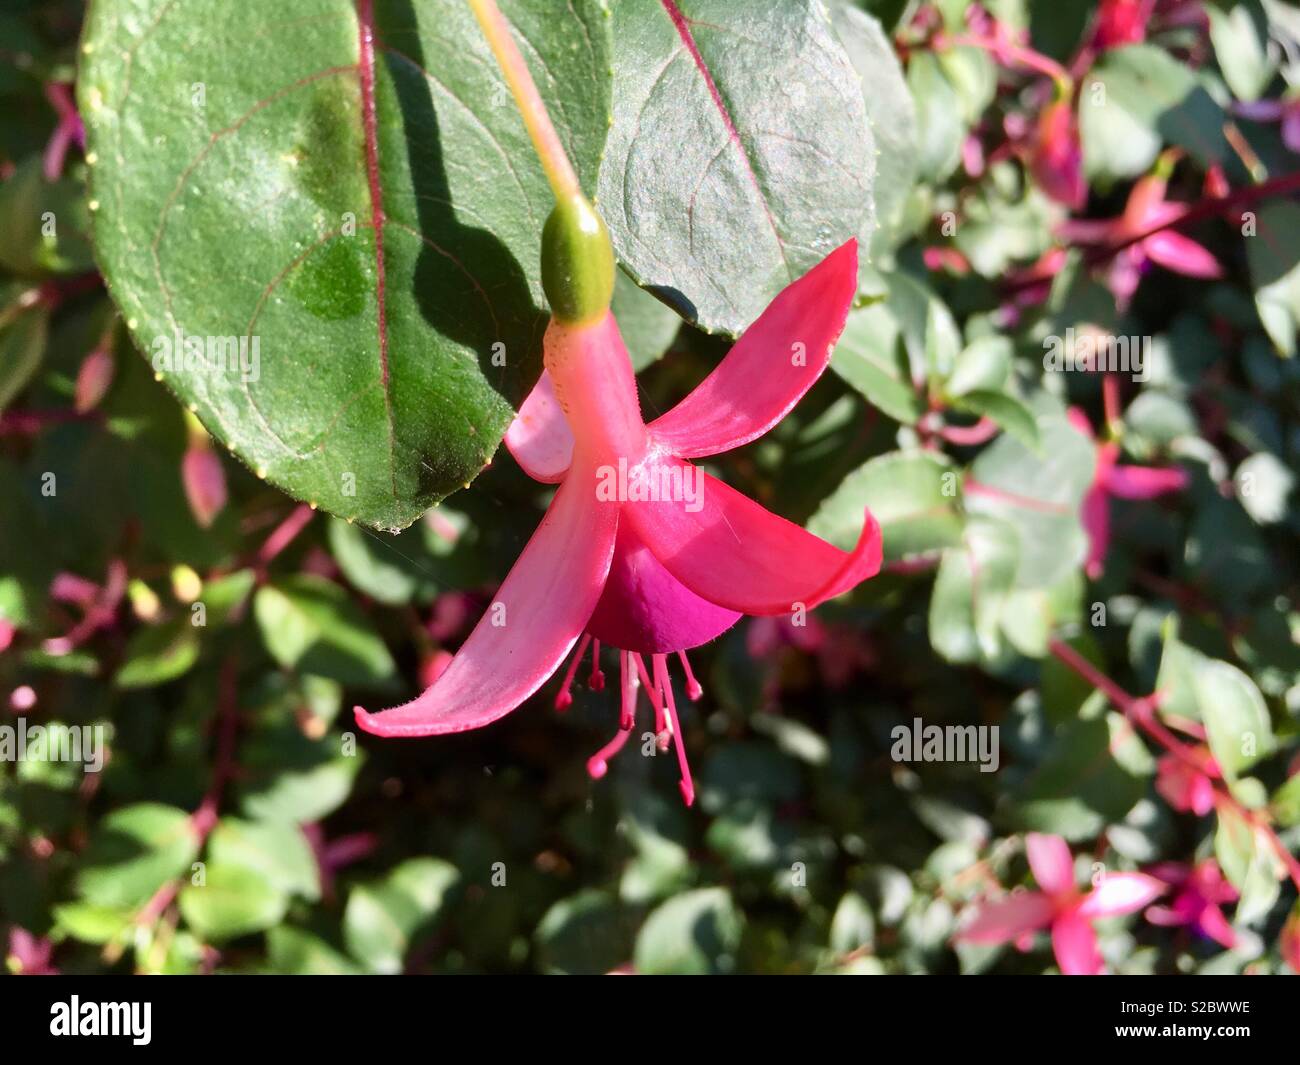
(644, 608)
(537, 616)
(736, 554)
(1075, 945)
(1007, 919)
(767, 371)
(1120, 893)
(1143, 482)
(539, 438)
(1180, 254)
(1049, 858)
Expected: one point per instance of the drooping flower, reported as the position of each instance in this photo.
(1198, 892)
(1186, 787)
(640, 549)
(1060, 907)
(29, 955)
(1146, 210)
(1055, 156)
(1111, 480)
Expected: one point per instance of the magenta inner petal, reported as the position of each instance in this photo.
(644, 608)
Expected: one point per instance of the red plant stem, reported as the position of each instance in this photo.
(1141, 712)
(1008, 55)
(284, 534)
(205, 816)
(983, 430)
(27, 422)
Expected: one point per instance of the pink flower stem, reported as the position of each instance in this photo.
(1207, 207)
(983, 430)
(1008, 55)
(555, 162)
(1141, 712)
(205, 816)
(284, 534)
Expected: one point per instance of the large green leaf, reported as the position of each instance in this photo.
(134, 852)
(1039, 493)
(740, 153)
(913, 494)
(1275, 272)
(388, 269)
(890, 110)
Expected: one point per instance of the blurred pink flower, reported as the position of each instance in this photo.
(1111, 480)
(30, 955)
(1286, 112)
(647, 572)
(1121, 22)
(7, 632)
(93, 380)
(1055, 156)
(1060, 907)
(1185, 787)
(204, 479)
(1146, 210)
(1198, 892)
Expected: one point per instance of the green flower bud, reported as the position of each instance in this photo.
(577, 262)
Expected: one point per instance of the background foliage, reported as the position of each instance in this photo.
(811, 849)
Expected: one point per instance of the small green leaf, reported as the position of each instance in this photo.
(276, 850)
(380, 919)
(231, 901)
(1274, 260)
(692, 934)
(740, 153)
(1038, 493)
(587, 933)
(970, 590)
(310, 623)
(22, 348)
(913, 494)
(134, 851)
(1007, 411)
(157, 654)
(1237, 724)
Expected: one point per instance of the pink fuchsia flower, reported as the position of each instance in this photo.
(8, 630)
(1121, 22)
(639, 548)
(1198, 892)
(1060, 907)
(93, 380)
(1055, 156)
(29, 955)
(1186, 787)
(1146, 210)
(1111, 480)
